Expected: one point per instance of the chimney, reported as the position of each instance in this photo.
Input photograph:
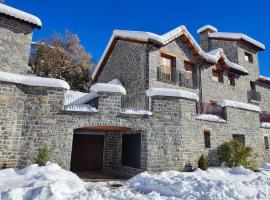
(204, 40)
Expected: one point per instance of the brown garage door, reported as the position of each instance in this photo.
(87, 152)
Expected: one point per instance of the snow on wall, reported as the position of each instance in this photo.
(136, 112)
(212, 118)
(171, 93)
(77, 98)
(81, 108)
(236, 104)
(236, 36)
(265, 125)
(13, 12)
(207, 27)
(112, 86)
(33, 81)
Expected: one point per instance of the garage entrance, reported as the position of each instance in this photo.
(87, 152)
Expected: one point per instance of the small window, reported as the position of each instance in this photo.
(217, 76)
(248, 57)
(166, 67)
(252, 86)
(266, 142)
(207, 142)
(239, 138)
(231, 77)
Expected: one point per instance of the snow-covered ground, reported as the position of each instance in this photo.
(52, 182)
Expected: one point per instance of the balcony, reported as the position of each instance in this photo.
(254, 96)
(211, 109)
(265, 117)
(181, 78)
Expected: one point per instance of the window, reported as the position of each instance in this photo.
(266, 142)
(166, 67)
(131, 150)
(231, 77)
(252, 86)
(207, 142)
(248, 57)
(217, 75)
(239, 138)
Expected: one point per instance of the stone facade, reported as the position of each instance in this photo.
(172, 138)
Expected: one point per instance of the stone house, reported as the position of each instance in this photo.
(159, 101)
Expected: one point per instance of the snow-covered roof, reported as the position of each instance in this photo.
(265, 125)
(112, 86)
(264, 78)
(163, 40)
(236, 36)
(206, 27)
(80, 108)
(211, 118)
(217, 54)
(33, 81)
(236, 104)
(18, 14)
(171, 93)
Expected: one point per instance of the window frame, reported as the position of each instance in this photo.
(232, 78)
(249, 57)
(162, 66)
(220, 76)
(266, 142)
(236, 136)
(207, 139)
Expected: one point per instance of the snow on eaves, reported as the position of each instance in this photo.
(171, 93)
(265, 125)
(218, 53)
(206, 27)
(18, 14)
(136, 112)
(263, 78)
(33, 81)
(236, 36)
(211, 118)
(236, 104)
(112, 86)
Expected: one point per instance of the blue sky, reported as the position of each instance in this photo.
(94, 21)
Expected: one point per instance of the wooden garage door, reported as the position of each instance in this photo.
(87, 152)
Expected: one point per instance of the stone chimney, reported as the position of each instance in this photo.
(204, 40)
(16, 29)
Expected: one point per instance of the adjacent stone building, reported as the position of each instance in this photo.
(158, 103)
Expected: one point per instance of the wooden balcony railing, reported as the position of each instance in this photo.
(265, 116)
(254, 95)
(181, 78)
(211, 109)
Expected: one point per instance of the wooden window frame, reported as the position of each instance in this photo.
(232, 78)
(249, 57)
(172, 59)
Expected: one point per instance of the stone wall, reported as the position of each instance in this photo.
(15, 40)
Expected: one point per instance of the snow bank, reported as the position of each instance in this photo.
(80, 108)
(52, 182)
(112, 86)
(33, 81)
(265, 125)
(136, 112)
(171, 93)
(206, 27)
(236, 104)
(7, 10)
(35, 183)
(212, 118)
(236, 36)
